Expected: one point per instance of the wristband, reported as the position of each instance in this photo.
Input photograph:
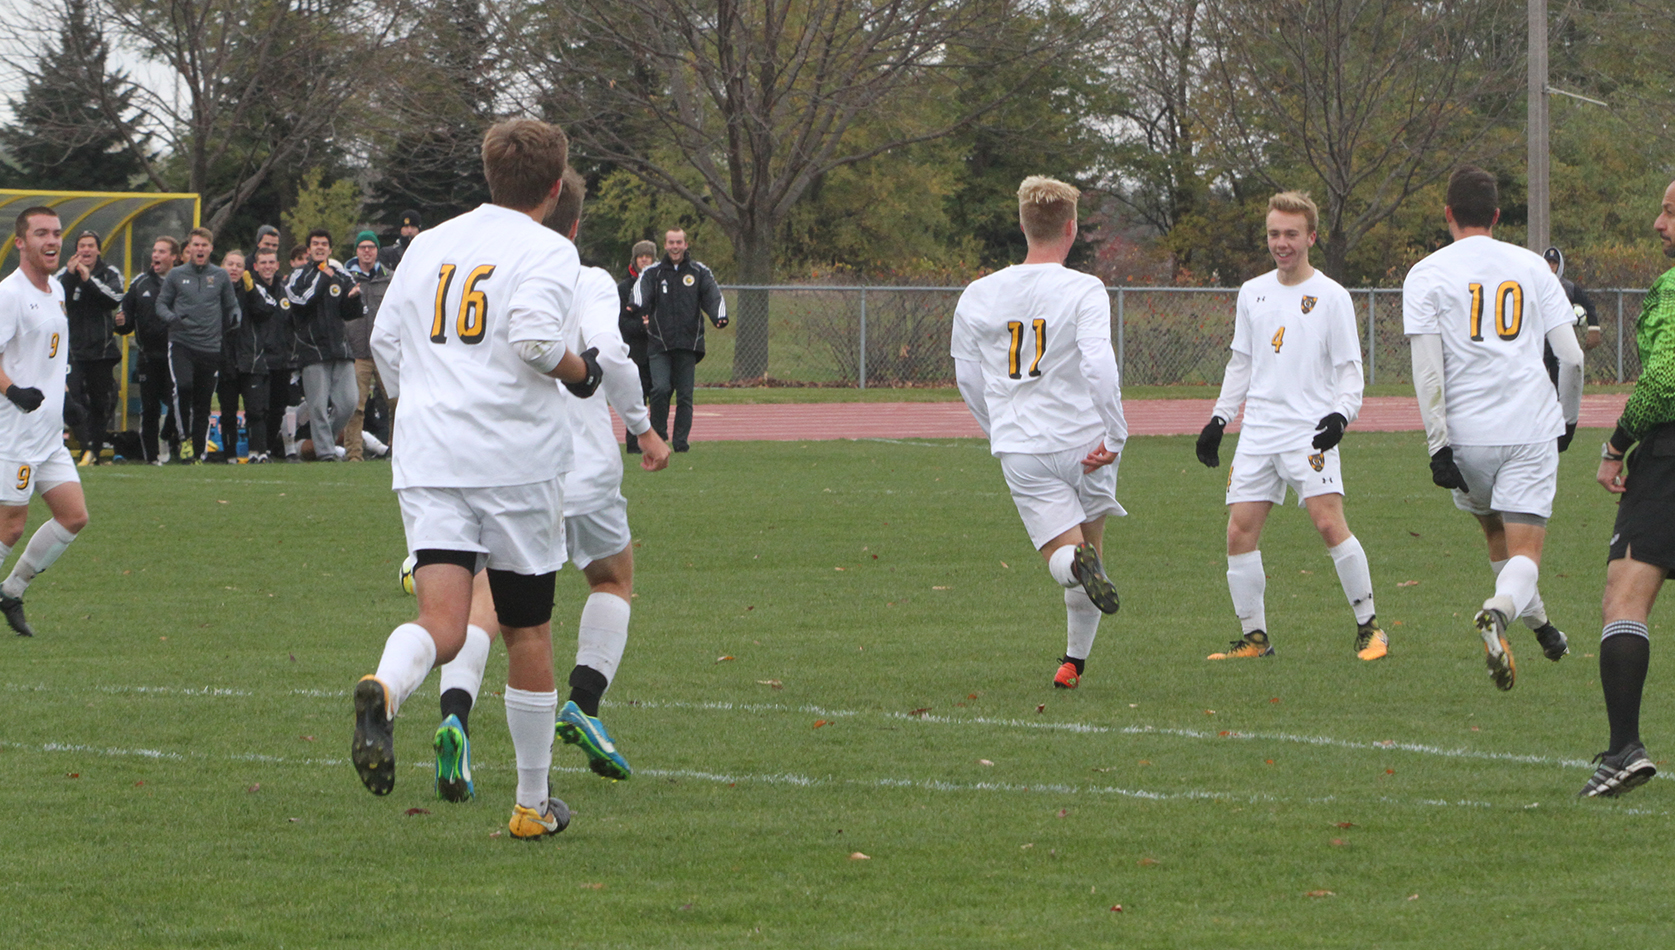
(1608, 455)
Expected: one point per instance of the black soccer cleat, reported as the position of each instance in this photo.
(373, 749)
(12, 607)
(1087, 570)
(1629, 769)
(1553, 642)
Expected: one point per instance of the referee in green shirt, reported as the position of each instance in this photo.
(1643, 540)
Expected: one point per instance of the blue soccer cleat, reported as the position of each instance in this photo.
(578, 728)
(453, 761)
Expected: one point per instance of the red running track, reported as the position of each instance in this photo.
(802, 422)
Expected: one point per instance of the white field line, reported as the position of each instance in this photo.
(961, 721)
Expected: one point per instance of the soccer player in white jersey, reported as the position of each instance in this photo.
(1296, 368)
(471, 333)
(596, 537)
(1033, 359)
(1476, 314)
(34, 363)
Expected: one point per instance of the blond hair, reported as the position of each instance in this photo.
(1044, 205)
(1297, 202)
(205, 233)
(522, 158)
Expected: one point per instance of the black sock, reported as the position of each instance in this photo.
(1067, 658)
(457, 702)
(1623, 657)
(587, 687)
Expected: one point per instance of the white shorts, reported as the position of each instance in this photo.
(1265, 477)
(19, 480)
(598, 534)
(517, 528)
(1053, 494)
(1508, 478)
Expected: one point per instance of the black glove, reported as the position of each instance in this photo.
(1444, 473)
(1569, 433)
(27, 398)
(75, 413)
(1329, 431)
(1209, 442)
(721, 323)
(590, 384)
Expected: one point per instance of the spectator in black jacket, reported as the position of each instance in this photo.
(257, 349)
(323, 296)
(92, 294)
(632, 324)
(670, 295)
(139, 317)
(390, 256)
(197, 302)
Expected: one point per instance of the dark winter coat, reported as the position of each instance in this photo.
(197, 302)
(139, 309)
(373, 286)
(262, 342)
(672, 295)
(320, 305)
(628, 323)
(91, 306)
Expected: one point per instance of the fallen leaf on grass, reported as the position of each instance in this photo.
(722, 659)
(139, 783)
(1321, 894)
(72, 775)
(1305, 572)
(1408, 584)
(1026, 847)
(1064, 813)
(686, 907)
(941, 588)
(1041, 708)
(984, 762)
(220, 501)
(1209, 712)
(1389, 771)
(776, 684)
(822, 722)
(1346, 824)
(858, 856)
(971, 695)
(1116, 908)
(840, 568)
(1413, 897)
(593, 887)
(1414, 533)
(920, 712)
(294, 820)
(417, 811)
(1269, 761)
(495, 834)
(1145, 761)
(1005, 565)
(1337, 842)
(254, 788)
(1148, 862)
(306, 738)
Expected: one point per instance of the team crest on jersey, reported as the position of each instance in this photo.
(285, 304)
(689, 280)
(1317, 461)
(336, 290)
(1308, 304)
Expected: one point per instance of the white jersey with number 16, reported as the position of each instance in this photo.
(1493, 304)
(1022, 324)
(471, 412)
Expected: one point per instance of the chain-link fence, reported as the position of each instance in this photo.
(898, 336)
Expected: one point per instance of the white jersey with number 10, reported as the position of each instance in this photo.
(471, 412)
(1022, 325)
(1493, 304)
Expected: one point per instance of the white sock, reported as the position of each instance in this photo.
(1355, 576)
(1059, 566)
(5, 552)
(1081, 620)
(1535, 615)
(603, 633)
(465, 670)
(409, 653)
(530, 717)
(1516, 582)
(48, 541)
(1246, 582)
(374, 444)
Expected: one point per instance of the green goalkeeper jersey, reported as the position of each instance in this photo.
(1653, 401)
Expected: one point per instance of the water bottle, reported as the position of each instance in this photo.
(243, 442)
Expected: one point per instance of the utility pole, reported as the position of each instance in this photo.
(1541, 213)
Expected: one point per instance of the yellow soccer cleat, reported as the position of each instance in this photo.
(1491, 625)
(529, 824)
(1371, 642)
(1252, 644)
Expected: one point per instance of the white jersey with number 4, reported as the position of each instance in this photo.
(1296, 337)
(1493, 304)
(472, 413)
(35, 353)
(1023, 325)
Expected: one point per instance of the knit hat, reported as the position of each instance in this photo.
(410, 219)
(364, 237)
(264, 231)
(643, 249)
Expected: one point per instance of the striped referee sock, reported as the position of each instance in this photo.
(1625, 650)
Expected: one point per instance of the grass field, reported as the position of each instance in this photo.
(175, 740)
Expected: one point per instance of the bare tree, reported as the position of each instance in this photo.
(1163, 67)
(1372, 99)
(255, 85)
(739, 106)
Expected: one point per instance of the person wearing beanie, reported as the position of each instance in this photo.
(267, 239)
(373, 278)
(1580, 303)
(390, 256)
(633, 325)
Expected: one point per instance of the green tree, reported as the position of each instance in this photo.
(75, 115)
(335, 207)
